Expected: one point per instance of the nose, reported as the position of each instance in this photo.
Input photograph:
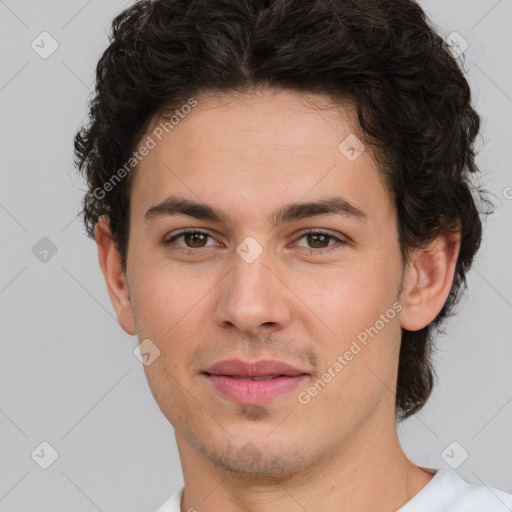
(253, 297)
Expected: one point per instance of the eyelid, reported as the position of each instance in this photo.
(170, 237)
(339, 239)
(320, 231)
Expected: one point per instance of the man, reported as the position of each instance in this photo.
(279, 192)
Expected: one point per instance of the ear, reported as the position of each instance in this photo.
(110, 263)
(428, 280)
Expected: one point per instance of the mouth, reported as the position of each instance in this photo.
(263, 377)
(255, 390)
(254, 383)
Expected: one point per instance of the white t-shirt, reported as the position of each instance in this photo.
(446, 492)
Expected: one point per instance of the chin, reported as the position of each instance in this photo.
(259, 457)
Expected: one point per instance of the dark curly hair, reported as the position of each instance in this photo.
(413, 105)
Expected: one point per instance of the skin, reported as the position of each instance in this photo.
(248, 155)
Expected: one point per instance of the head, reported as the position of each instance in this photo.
(246, 108)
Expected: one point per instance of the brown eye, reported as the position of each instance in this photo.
(192, 239)
(321, 241)
(318, 241)
(195, 240)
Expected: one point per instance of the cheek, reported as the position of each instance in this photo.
(359, 306)
(350, 297)
(169, 391)
(162, 298)
(168, 308)
(359, 373)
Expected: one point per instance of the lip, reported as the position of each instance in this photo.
(231, 378)
(264, 368)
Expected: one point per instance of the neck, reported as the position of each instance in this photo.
(369, 472)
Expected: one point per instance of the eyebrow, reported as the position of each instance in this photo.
(174, 205)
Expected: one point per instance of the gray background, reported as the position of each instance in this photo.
(68, 374)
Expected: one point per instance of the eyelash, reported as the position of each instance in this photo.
(326, 250)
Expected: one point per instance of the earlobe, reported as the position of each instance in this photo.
(115, 279)
(428, 280)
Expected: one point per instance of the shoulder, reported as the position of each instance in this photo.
(173, 502)
(446, 492)
(449, 492)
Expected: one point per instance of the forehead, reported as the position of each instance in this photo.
(254, 151)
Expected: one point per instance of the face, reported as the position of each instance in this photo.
(258, 279)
